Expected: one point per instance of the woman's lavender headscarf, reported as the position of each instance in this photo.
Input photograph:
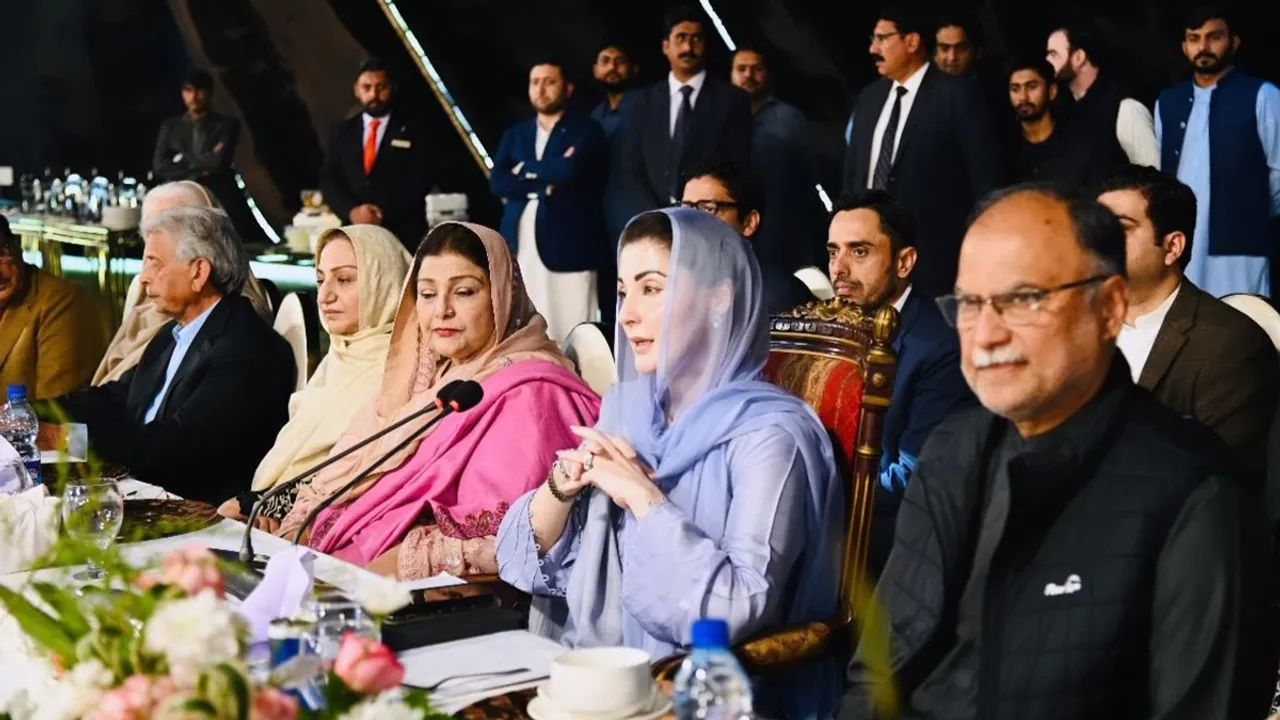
(714, 343)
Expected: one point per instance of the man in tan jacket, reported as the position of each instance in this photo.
(51, 334)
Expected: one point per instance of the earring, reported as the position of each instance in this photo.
(717, 318)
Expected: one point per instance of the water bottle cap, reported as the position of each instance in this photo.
(710, 633)
(17, 393)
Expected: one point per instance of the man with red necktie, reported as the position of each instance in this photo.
(376, 169)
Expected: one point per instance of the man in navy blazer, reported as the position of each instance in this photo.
(549, 174)
(871, 251)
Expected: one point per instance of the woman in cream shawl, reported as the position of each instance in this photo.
(144, 321)
(437, 503)
(349, 375)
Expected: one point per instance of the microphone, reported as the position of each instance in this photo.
(466, 396)
(443, 397)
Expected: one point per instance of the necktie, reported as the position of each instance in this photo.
(884, 162)
(684, 117)
(371, 145)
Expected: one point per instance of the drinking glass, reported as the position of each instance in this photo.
(93, 512)
(13, 477)
(334, 616)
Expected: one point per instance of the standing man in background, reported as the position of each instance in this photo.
(1043, 150)
(784, 166)
(1119, 128)
(925, 137)
(1219, 132)
(548, 174)
(200, 145)
(614, 72)
(376, 170)
(683, 121)
(959, 48)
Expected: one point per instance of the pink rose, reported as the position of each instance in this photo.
(272, 704)
(367, 666)
(135, 699)
(193, 569)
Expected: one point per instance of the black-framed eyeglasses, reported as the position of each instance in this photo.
(882, 38)
(1020, 307)
(715, 207)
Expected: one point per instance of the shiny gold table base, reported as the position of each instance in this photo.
(48, 235)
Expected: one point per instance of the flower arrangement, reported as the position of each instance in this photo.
(165, 644)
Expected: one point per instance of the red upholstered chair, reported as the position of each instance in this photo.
(841, 362)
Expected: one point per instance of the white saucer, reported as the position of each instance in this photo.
(543, 707)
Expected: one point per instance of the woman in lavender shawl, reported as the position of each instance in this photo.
(703, 491)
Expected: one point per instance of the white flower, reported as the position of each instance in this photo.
(193, 634)
(380, 595)
(387, 706)
(29, 676)
(73, 698)
(91, 675)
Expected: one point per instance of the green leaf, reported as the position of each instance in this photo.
(239, 689)
(124, 657)
(338, 697)
(68, 608)
(197, 706)
(41, 628)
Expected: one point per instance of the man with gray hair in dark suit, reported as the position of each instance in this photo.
(212, 390)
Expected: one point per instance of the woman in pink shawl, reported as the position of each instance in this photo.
(436, 505)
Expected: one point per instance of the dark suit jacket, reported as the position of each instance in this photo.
(570, 222)
(928, 388)
(949, 158)
(220, 416)
(181, 155)
(398, 184)
(1273, 472)
(721, 127)
(1212, 363)
(783, 291)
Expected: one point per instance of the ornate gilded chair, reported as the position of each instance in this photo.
(841, 361)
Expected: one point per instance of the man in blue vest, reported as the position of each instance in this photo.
(1219, 132)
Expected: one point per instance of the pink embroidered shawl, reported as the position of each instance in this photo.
(471, 467)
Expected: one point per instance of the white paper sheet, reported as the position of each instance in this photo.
(435, 581)
(495, 653)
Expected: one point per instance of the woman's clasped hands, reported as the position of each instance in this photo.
(610, 463)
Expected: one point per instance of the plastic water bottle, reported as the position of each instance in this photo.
(711, 684)
(19, 425)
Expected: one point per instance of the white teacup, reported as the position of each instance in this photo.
(607, 680)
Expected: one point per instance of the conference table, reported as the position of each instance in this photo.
(501, 693)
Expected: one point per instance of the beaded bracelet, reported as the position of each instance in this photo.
(555, 491)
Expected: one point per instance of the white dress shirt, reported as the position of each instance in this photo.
(696, 82)
(1136, 133)
(383, 122)
(183, 337)
(1135, 341)
(902, 301)
(908, 99)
